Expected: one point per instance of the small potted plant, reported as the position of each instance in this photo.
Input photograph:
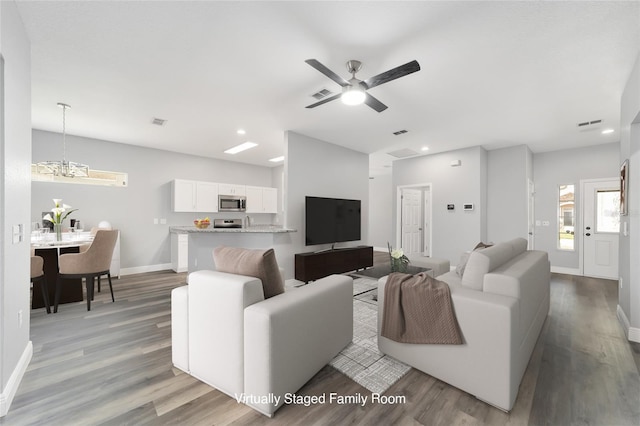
(398, 259)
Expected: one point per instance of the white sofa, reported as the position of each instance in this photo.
(227, 335)
(501, 302)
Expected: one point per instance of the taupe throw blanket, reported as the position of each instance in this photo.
(418, 309)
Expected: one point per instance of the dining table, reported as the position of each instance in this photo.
(49, 248)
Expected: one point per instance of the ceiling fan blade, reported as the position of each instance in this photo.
(326, 71)
(325, 100)
(385, 77)
(374, 103)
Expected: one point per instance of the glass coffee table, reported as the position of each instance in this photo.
(369, 293)
(384, 270)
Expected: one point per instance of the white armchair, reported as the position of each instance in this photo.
(227, 335)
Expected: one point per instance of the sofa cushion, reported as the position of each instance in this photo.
(437, 266)
(462, 264)
(261, 264)
(486, 260)
(465, 258)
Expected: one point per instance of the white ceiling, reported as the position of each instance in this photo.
(493, 73)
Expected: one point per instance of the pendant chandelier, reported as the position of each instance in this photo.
(64, 167)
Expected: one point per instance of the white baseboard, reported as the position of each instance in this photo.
(6, 397)
(143, 269)
(632, 333)
(563, 270)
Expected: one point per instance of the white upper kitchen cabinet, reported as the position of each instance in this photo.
(262, 200)
(270, 200)
(206, 197)
(194, 196)
(254, 199)
(231, 189)
(183, 195)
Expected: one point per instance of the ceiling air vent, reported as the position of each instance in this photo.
(589, 125)
(403, 153)
(158, 121)
(400, 132)
(321, 94)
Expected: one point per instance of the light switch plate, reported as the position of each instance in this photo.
(17, 233)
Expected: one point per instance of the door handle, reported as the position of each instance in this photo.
(588, 234)
(588, 227)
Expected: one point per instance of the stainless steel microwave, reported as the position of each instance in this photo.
(232, 203)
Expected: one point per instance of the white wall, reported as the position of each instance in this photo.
(453, 231)
(381, 211)
(318, 168)
(15, 188)
(629, 294)
(507, 174)
(551, 169)
(132, 209)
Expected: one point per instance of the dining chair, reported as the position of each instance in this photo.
(85, 247)
(90, 264)
(37, 277)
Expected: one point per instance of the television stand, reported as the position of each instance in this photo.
(315, 265)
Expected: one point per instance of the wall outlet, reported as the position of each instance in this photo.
(545, 223)
(155, 220)
(163, 221)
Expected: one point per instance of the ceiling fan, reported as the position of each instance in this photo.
(354, 91)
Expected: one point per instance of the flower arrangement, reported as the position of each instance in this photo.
(397, 259)
(60, 213)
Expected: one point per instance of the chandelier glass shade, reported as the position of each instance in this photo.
(63, 167)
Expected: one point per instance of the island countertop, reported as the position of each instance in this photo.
(256, 229)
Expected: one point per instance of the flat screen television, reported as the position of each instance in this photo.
(331, 220)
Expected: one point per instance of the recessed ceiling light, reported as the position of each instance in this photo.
(607, 131)
(277, 159)
(425, 148)
(240, 148)
(241, 132)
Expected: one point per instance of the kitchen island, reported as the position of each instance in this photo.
(192, 248)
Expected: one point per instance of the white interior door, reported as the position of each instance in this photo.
(531, 214)
(601, 228)
(426, 226)
(411, 221)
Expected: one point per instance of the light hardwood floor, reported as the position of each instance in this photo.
(113, 366)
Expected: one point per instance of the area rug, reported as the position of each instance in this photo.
(361, 361)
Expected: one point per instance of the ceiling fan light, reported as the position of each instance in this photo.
(353, 96)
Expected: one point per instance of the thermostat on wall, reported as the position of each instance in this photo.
(467, 207)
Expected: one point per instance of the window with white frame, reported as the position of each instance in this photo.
(566, 217)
